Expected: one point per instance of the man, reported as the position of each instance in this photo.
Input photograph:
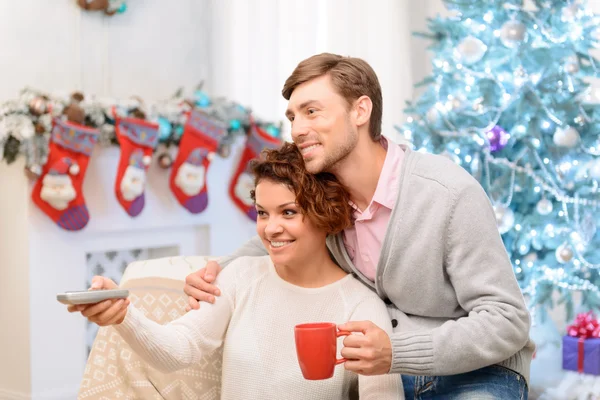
(425, 239)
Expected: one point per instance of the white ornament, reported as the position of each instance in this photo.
(146, 160)
(567, 137)
(74, 169)
(470, 50)
(564, 253)
(513, 33)
(594, 169)
(433, 115)
(505, 218)
(544, 206)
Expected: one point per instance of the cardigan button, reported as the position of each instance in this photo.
(394, 323)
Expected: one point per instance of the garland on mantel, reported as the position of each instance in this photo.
(110, 7)
(26, 122)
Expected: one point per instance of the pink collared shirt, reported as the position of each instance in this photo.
(364, 239)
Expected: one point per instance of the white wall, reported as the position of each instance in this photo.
(258, 43)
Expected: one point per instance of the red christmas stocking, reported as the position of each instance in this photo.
(137, 138)
(243, 180)
(200, 140)
(58, 191)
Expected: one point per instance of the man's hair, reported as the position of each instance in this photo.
(351, 77)
(321, 197)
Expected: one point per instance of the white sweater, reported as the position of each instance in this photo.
(255, 317)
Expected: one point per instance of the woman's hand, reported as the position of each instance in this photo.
(107, 312)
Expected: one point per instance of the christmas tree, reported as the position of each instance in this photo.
(508, 100)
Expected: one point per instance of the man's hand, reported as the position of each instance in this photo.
(198, 285)
(369, 353)
(107, 312)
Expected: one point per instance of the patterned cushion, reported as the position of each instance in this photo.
(114, 371)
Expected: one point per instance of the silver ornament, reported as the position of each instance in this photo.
(513, 33)
(470, 50)
(570, 12)
(566, 137)
(505, 218)
(165, 161)
(544, 207)
(564, 253)
(594, 169)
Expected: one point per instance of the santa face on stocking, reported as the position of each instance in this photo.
(190, 175)
(57, 186)
(133, 182)
(58, 191)
(190, 178)
(243, 186)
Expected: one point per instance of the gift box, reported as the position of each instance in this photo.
(581, 347)
(582, 355)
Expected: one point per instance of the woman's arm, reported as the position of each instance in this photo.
(186, 340)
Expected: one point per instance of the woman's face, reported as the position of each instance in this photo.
(289, 238)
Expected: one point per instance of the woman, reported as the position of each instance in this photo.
(263, 298)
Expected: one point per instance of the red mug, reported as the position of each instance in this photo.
(316, 346)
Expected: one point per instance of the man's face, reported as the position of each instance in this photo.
(321, 124)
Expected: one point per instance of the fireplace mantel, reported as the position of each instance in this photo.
(38, 259)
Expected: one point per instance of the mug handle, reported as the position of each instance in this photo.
(341, 333)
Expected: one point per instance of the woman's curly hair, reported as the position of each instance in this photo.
(321, 197)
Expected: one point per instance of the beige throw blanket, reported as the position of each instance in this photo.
(114, 371)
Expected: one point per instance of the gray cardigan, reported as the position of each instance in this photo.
(445, 275)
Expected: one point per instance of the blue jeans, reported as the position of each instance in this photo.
(489, 383)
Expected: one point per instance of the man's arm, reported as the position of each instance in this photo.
(497, 325)
(371, 316)
(198, 284)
